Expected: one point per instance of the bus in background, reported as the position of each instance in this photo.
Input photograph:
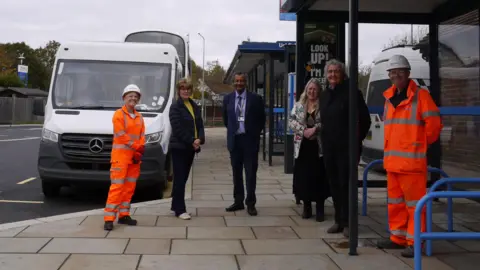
(180, 43)
(378, 83)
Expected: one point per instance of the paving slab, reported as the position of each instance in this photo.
(188, 262)
(22, 245)
(162, 210)
(368, 262)
(270, 211)
(274, 233)
(309, 232)
(250, 221)
(101, 262)
(203, 197)
(148, 246)
(194, 222)
(31, 261)
(60, 230)
(213, 212)
(147, 232)
(206, 247)
(464, 261)
(285, 246)
(220, 233)
(285, 262)
(11, 232)
(143, 220)
(85, 245)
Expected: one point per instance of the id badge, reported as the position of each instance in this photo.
(241, 119)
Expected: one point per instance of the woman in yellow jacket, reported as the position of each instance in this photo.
(187, 136)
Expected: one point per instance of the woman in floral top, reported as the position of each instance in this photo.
(309, 182)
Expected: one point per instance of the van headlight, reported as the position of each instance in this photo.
(48, 135)
(153, 138)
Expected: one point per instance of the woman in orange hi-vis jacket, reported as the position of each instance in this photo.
(127, 150)
(411, 123)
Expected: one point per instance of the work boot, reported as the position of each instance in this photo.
(388, 244)
(408, 252)
(127, 220)
(108, 226)
(336, 228)
(346, 232)
(307, 210)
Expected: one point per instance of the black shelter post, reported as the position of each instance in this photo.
(271, 100)
(264, 66)
(300, 55)
(288, 158)
(352, 136)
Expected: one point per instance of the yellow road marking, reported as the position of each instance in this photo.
(26, 181)
(15, 201)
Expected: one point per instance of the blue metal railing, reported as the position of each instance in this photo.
(433, 188)
(419, 235)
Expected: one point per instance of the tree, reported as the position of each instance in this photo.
(407, 38)
(37, 73)
(215, 72)
(47, 54)
(363, 78)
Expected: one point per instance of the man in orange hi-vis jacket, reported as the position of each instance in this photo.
(411, 123)
(127, 150)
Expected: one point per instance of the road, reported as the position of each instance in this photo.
(21, 196)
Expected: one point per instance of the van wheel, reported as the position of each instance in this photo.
(50, 190)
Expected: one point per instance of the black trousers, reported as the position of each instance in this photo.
(182, 163)
(244, 156)
(337, 170)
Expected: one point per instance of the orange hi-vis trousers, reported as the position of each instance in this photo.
(123, 179)
(404, 191)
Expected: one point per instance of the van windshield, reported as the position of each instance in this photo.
(375, 92)
(99, 84)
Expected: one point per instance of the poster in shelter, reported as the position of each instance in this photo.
(320, 45)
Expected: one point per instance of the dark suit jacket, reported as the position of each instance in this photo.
(183, 132)
(254, 119)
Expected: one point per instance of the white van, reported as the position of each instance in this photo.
(378, 83)
(86, 88)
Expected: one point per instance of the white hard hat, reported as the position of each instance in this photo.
(131, 88)
(398, 61)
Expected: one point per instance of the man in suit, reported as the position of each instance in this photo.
(244, 118)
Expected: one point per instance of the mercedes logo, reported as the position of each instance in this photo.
(96, 145)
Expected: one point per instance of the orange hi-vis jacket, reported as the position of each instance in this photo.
(128, 135)
(409, 129)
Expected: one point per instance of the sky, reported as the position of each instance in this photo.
(224, 24)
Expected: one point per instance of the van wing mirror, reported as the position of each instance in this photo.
(38, 107)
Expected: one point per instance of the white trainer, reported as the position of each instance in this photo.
(185, 216)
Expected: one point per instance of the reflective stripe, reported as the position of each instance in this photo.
(134, 137)
(395, 200)
(398, 232)
(116, 169)
(120, 133)
(124, 210)
(121, 146)
(404, 154)
(126, 204)
(404, 122)
(409, 236)
(111, 206)
(111, 214)
(413, 113)
(117, 181)
(131, 179)
(130, 143)
(430, 113)
(412, 203)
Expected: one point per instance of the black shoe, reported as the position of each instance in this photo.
(297, 201)
(388, 244)
(408, 252)
(336, 228)
(127, 220)
(252, 211)
(235, 207)
(307, 210)
(346, 232)
(108, 226)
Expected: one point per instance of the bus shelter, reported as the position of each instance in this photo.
(447, 20)
(267, 65)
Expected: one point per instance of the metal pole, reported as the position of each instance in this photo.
(352, 137)
(411, 33)
(203, 78)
